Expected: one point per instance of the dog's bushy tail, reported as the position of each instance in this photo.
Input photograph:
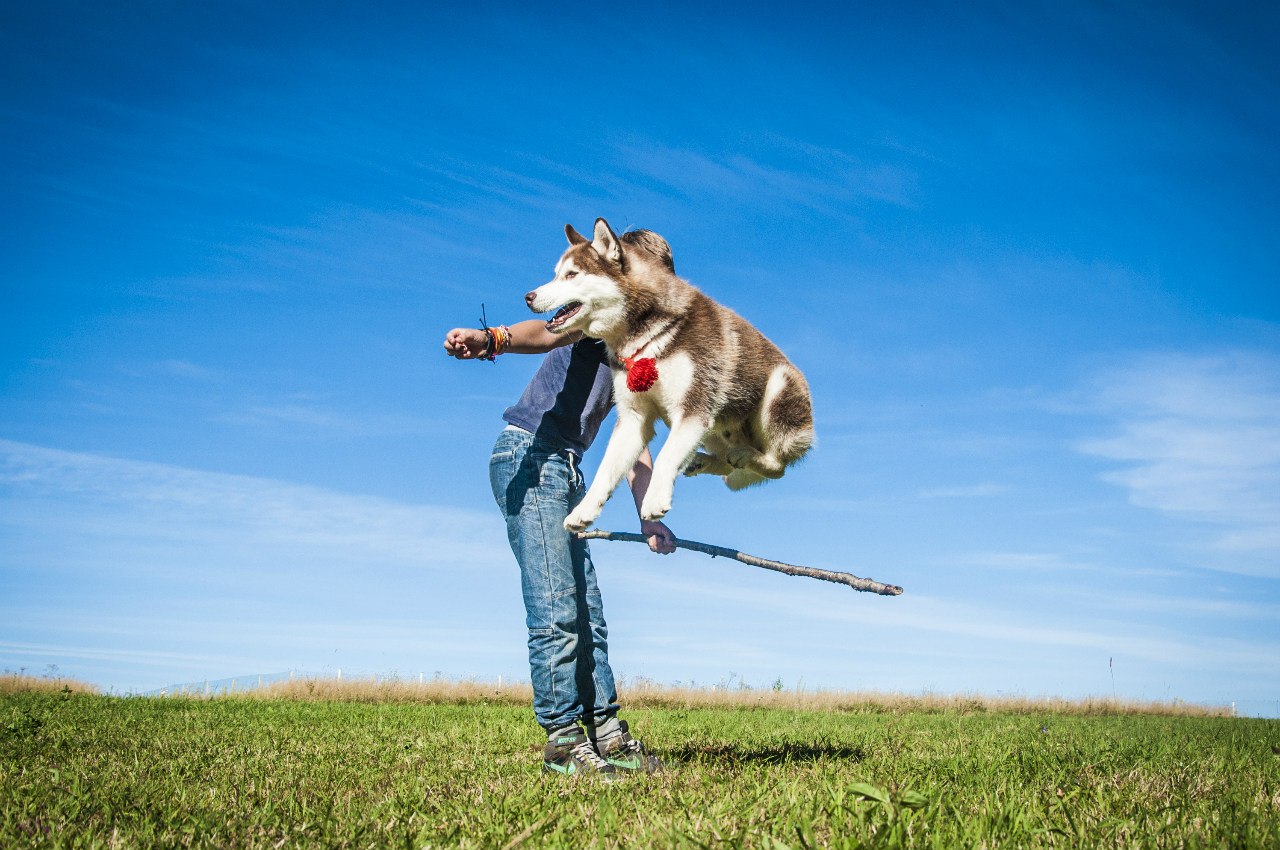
(740, 479)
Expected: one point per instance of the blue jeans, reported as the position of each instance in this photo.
(536, 485)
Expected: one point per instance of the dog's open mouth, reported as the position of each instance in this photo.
(563, 315)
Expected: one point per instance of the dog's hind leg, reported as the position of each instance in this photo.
(681, 443)
(784, 432)
(631, 433)
(752, 460)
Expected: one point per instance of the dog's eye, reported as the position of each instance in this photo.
(570, 273)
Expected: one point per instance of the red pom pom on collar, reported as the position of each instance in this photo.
(641, 374)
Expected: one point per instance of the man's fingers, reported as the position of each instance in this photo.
(659, 537)
(456, 345)
(663, 544)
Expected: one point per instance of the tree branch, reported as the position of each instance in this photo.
(864, 584)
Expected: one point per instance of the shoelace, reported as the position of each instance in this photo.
(587, 753)
(629, 744)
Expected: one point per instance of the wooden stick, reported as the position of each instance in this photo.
(865, 584)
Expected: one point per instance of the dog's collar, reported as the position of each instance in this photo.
(642, 372)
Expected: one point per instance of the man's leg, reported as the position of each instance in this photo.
(596, 682)
(532, 488)
(568, 638)
(612, 738)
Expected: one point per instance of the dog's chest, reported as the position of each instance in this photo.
(666, 397)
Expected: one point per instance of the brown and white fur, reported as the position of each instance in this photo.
(722, 386)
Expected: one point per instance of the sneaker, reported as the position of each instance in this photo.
(570, 752)
(624, 753)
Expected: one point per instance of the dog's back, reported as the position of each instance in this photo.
(757, 400)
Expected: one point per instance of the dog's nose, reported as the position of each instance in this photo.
(528, 298)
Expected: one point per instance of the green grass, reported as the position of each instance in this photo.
(84, 770)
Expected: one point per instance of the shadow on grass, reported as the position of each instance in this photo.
(788, 752)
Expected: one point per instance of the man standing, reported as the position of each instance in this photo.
(537, 480)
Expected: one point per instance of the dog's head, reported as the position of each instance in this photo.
(594, 279)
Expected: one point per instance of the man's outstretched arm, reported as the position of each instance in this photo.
(661, 540)
(528, 337)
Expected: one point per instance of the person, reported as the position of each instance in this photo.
(535, 473)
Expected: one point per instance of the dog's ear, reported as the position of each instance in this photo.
(606, 243)
(575, 238)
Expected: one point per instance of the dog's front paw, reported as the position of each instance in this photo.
(581, 517)
(654, 508)
(573, 523)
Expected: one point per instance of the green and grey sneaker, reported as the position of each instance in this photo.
(627, 754)
(569, 751)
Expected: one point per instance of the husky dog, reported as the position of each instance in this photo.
(680, 357)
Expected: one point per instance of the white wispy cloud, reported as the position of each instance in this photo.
(148, 657)
(978, 623)
(174, 368)
(964, 492)
(1216, 610)
(1199, 437)
(796, 175)
(316, 416)
(138, 573)
(51, 488)
(1040, 562)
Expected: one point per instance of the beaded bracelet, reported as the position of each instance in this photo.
(488, 354)
(496, 341)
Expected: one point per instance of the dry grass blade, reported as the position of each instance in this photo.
(644, 693)
(524, 835)
(17, 683)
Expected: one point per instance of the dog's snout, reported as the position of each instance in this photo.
(528, 298)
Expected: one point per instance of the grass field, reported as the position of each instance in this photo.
(87, 770)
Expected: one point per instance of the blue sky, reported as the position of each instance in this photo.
(1025, 253)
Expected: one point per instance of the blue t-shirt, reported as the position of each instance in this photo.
(568, 397)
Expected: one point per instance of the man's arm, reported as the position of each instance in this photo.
(528, 337)
(661, 540)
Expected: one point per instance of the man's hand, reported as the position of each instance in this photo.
(465, 343)
(661, 540)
